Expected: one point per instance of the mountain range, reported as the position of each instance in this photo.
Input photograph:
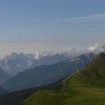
(15, 63)
(46, 74)
(18, 62)
(85, 87)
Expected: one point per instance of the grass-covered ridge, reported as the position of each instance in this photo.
(14, 98)
(86, 87)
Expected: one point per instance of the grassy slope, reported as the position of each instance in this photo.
(15, 98)
(87, 87)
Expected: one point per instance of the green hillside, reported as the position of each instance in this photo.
(14, 98)
(86, 87)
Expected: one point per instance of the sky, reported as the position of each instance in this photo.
(50, 25)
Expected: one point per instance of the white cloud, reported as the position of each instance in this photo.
(93, 48)
(96, 48)
(37, 55)
(96, 17)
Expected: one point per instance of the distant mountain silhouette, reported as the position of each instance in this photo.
(43, 75)
(3, 76)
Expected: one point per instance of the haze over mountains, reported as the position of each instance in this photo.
(15, 63)
(46, 74)
(18, 62)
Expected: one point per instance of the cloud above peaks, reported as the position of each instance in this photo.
(93, 48)
(96, 48)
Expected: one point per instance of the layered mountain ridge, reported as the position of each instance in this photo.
(46, 74)
(18, 62)
(86, 87)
